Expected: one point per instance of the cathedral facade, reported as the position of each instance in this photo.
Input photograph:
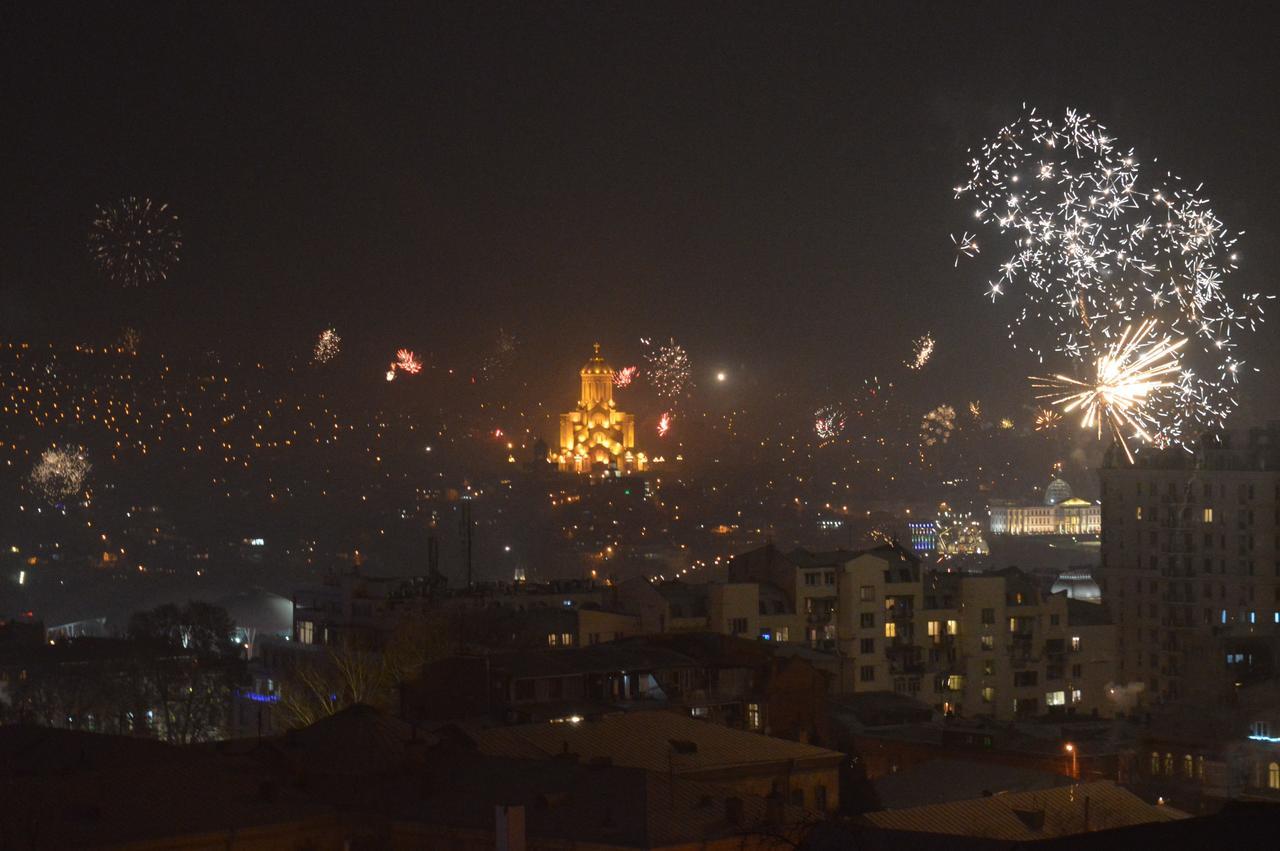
(596, 436)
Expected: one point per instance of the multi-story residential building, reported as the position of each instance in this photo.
(1191, 563)
(978, 645)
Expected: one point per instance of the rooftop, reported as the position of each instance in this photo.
(1039, 814)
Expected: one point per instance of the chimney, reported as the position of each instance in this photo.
(509, 827)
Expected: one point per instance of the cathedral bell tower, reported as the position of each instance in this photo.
(596, 435)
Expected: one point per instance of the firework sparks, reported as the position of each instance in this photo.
(135, 241)
(1047, 419)
(60, 473)
(1097, 247)
(975, 410)
(664, 424)
(328, 344)
(965, 246)
(669, 370)
(829, 422)
(1126, 389)
(921, 351)
(406, 361)
(130, 339)
(937, 425)
(623, 377)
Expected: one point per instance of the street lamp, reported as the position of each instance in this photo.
(1071, 749)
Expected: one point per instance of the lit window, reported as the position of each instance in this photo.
(1077, 695)
(1138, 513)
(988, 642)
(955, 682)
(988, 695)
(306, 632)
(890, 629)
(1188, 766)
(1075, 642)
(1253, 617)
(1155, 762)
(1208, 515)
(1055, 698)
(1168, 764)
(953, 627)
(783, 633)
(934, 627)
(1273, 776)
(1200, 767)
(1013, 624)
(551, 639)
(566, 639)
(753, 716)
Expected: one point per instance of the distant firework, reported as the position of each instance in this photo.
(664, 424)
(501, 357)
(60, 473)
(328, 344)
(130, 339)
(1047, 419)
(135, 241)
(407, 361)
(1006, 423)
(829, 421)
(623, 377)
(921, 351)
(1126, 392)
(1096, 248)
(937, 425)
(975, 409)
(669, 370)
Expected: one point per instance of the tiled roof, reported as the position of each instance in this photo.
(1040, 814)
(645, 740)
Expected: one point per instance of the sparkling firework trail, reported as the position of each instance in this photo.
(664, 424)
(921, 351)
(1097, 247)
(135, 241)
(623, 377)
(1125, 391)
(328, 344)
(60, 473)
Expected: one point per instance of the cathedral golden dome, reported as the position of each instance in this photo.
(597, 365)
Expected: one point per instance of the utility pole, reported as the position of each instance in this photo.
(466, 529)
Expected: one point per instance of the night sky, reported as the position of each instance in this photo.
(771, 184)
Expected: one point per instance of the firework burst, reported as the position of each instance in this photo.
(664, 424)
(60, 473)
(135, 241)
(1127, 388)
(1096, 248)
(937, 425)
(921, 351)
(829, 422)
(406, 361)
(1047, 419)
(668, 369)
(328, 344)
(623, 377)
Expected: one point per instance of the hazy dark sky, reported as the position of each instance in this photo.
(768, 182)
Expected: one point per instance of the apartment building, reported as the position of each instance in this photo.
(990, 644)
(1191, 564)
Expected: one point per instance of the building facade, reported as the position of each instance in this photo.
(1191, 565)
(1060, 514)
(990, 644)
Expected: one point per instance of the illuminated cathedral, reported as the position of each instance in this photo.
(596, 435)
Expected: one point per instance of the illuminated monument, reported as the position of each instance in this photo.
(596, 435)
